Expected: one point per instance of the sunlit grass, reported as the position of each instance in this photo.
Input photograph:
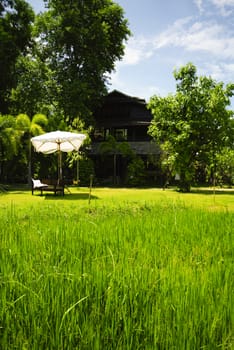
(132, 269)
(80, 197)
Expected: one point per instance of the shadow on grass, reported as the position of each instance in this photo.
(69, 196)
(212, 191)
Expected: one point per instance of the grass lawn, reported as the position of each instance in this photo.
(202, 198)
(122, 269)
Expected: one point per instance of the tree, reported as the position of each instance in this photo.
(80, 41)
(29, 128)
(32, 92)
(79, 159)
(194, 124)
(115, 148)
(225, 167)
(16, 17)
(136, 172)
(8, 141)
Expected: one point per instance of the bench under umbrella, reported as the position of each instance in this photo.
(58, 141)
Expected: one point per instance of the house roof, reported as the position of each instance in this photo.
(124, 98)
(119, 109)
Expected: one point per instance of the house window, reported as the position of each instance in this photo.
(121, 134)
(99, 134)
(107, 133)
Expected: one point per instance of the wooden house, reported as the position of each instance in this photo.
(120, 136)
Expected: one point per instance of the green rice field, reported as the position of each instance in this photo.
(120, 269)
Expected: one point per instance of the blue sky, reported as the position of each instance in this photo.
(167, 34)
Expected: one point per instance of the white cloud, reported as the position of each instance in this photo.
(135, 89)
(137, 50)
(148, 91)
(208, 44)
(207, 37)
(226, 7)
(223, 3)
(116, 79)
(214, 70)
(199, 4)
(219, 71)
(198, 36)
(188, 39)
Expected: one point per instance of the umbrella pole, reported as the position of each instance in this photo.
(77, 171)
(60, 175)
(60, 166)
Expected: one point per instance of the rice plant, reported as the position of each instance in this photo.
(134, 275)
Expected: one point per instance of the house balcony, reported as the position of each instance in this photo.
(138, 147)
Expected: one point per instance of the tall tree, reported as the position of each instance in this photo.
(16, 17)
(29, 128)
(194, 124)
(8, 141)
(80, 41)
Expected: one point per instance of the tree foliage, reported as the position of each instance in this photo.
(9, 139)
(136, 172)
(225, 166)
(32, 92)
(114, 148)
(16, 17)
(57, 66)
(80, 41)
(27, 128)
(193, 125)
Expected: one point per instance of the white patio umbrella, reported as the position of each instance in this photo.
(58, 141)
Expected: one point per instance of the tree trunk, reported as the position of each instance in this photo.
(184, 184)
(29, 163)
